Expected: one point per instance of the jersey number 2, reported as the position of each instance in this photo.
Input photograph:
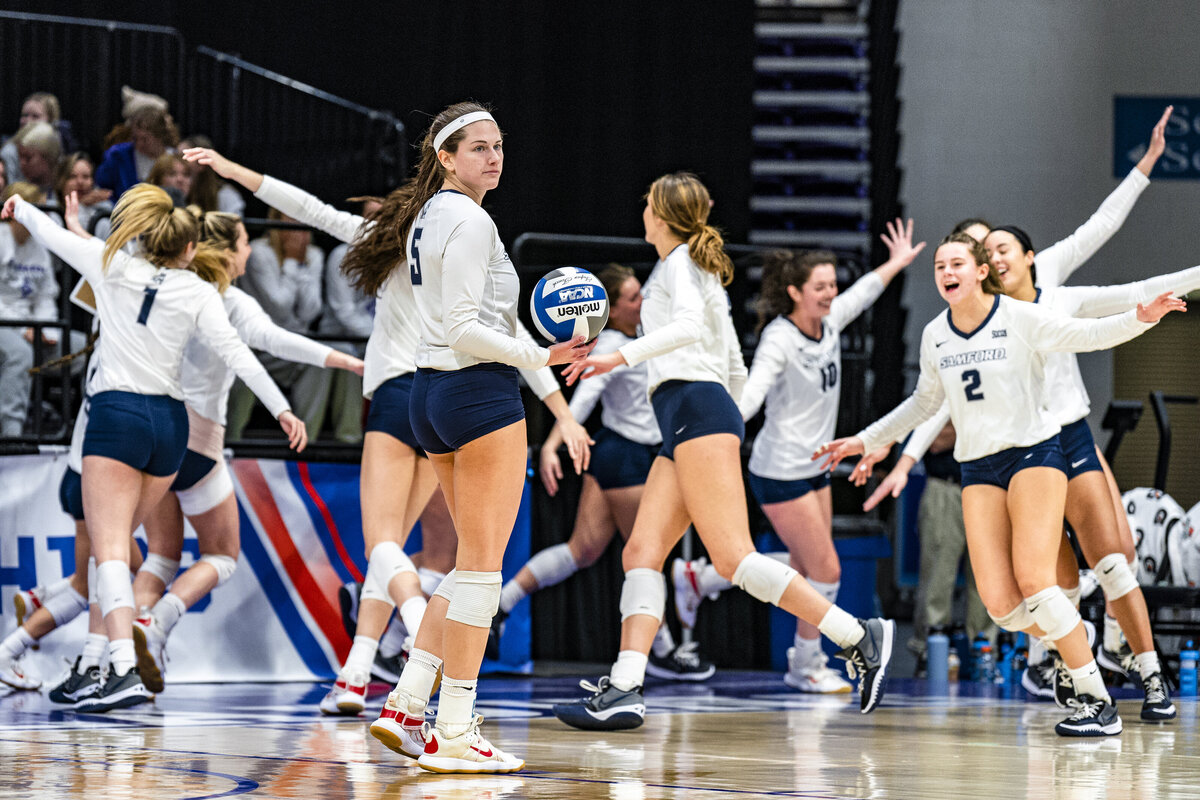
(414, 259)
(972, 380)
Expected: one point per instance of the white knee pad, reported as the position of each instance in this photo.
(476, 598)
(224, 565)
(65, 606)
(430, 580)
(113, 587)
(1073, 594)
(552, 565)
(387, 560)
(643, 592)
(445, 587)
(1016, 620)
(209, 493)
(763, 578)
(92, 596)
(1053, 612)
(1115, 577)
(160, 567)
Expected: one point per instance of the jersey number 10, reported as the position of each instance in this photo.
(828, 377)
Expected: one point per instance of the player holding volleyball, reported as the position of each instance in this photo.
(985, 357)
(696, 375)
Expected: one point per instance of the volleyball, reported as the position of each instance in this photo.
(569, 302)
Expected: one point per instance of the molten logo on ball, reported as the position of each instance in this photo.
(569, 302)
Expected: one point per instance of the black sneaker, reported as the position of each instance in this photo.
(492, 650)
(1039, 679)
(117, 691)
(1064, 686)
(1118, 661)
(608, 709)
(868, 660)
(1092, 717)
(76, 685)
(388, 668)
(1157, 706)
(348, 604)
(681, 664)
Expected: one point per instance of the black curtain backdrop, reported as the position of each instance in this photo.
(597, 99)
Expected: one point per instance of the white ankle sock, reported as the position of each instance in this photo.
(664, 643)
(456, 706)
(412, 611)
(121, 656)
(842, 628)
(362, 655)
(419, 674)
(629, 671)
(1087, 680)
(94, 648)
(806, 649)
(1147, 663)
(710, 581)
(1113, 638)
(16, 643)
(168, 610)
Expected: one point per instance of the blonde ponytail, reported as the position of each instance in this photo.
(212, 265)
(681, 200)
(147, 212)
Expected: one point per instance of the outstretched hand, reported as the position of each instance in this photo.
(71, 216)
(592, 366)
(899, 241)
(1159, 307)
(210, 158)
(10, 206)
(1158, 143)
(892, 485)
(866, 465)
(834, 452)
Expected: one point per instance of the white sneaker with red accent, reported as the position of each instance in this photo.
(25, 603)
(348, 696)
(12, 674)
(815, 676)
(685, 575)
(150, 646)
(468, 752)
(401, 725)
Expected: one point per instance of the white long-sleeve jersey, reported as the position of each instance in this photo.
(206, 379)
(993, 378)
(28, 288)
(1066, 396)
(800, 379)
(1056, 263)
(466, 289)
(625, 393)
(686, 314)
(147, 315)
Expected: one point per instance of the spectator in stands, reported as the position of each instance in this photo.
(284, 275)
(38, 152)
(208, 190)
(77, 174)
(38, 107)
(125, 164)
(348, 312)
(3, 176)
(28, 290)
(171, 172)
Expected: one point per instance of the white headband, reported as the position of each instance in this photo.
(458, 124)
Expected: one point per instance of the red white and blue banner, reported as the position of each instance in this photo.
(277, 618)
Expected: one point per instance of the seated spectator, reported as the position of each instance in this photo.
(170, 172)
(3, 176)
(125, 164)
(348, 312)
(284, 274)
(77, 174)
(28, 290)
(38, 152)
(208, 190)
(38, 107)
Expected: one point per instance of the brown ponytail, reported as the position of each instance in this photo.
(781, 269)
(680, 200)
(374, 255)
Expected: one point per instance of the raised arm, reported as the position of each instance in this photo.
(1102, 301)
(85, 255)
(1043, 330)
(866, 290)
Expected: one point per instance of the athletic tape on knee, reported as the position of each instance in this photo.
(386, 561)
(1016, 620)
(552, 565)
(643, 592)
(445, 587)
(430, 580)
(92, 598)
(113, 587)
(763, 578)
(65, 606)
(160, 567)
(1115, 577)
(1073, 594)
(476, 598)
(224, 565)
(1053, 612)
(827, 590)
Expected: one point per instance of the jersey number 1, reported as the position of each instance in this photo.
(414, 259)
(972, 380)
(147, 301)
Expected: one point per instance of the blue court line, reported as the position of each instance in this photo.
(243, 784)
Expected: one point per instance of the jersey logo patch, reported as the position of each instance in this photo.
(973, 357)
(999, 333)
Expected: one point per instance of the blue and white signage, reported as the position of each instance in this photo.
(1135, 117)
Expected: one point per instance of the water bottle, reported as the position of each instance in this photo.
(1004, 675)
(937, 661)
(960, 646)
(977, 648)
(985, 670)
(1187, 670)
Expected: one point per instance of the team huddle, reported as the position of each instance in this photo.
(442, 369)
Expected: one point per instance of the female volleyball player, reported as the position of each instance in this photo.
(984, 358)
(696, 374)
(149, 307)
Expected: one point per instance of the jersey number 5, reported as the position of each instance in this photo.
(972, 380)
(414, 259)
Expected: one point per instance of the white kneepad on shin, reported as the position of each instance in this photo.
(113, 587)
(476, 598)
(1016, 620)
(1073, 594)
(1053, 612)
(553, 565)
(763, 578)
(1115, 576)
(224, 565)
(643, 592)
(387, 560)
(65, 606)
(430, 580)
(160, 567)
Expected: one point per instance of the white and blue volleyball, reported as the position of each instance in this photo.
(569, 302)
